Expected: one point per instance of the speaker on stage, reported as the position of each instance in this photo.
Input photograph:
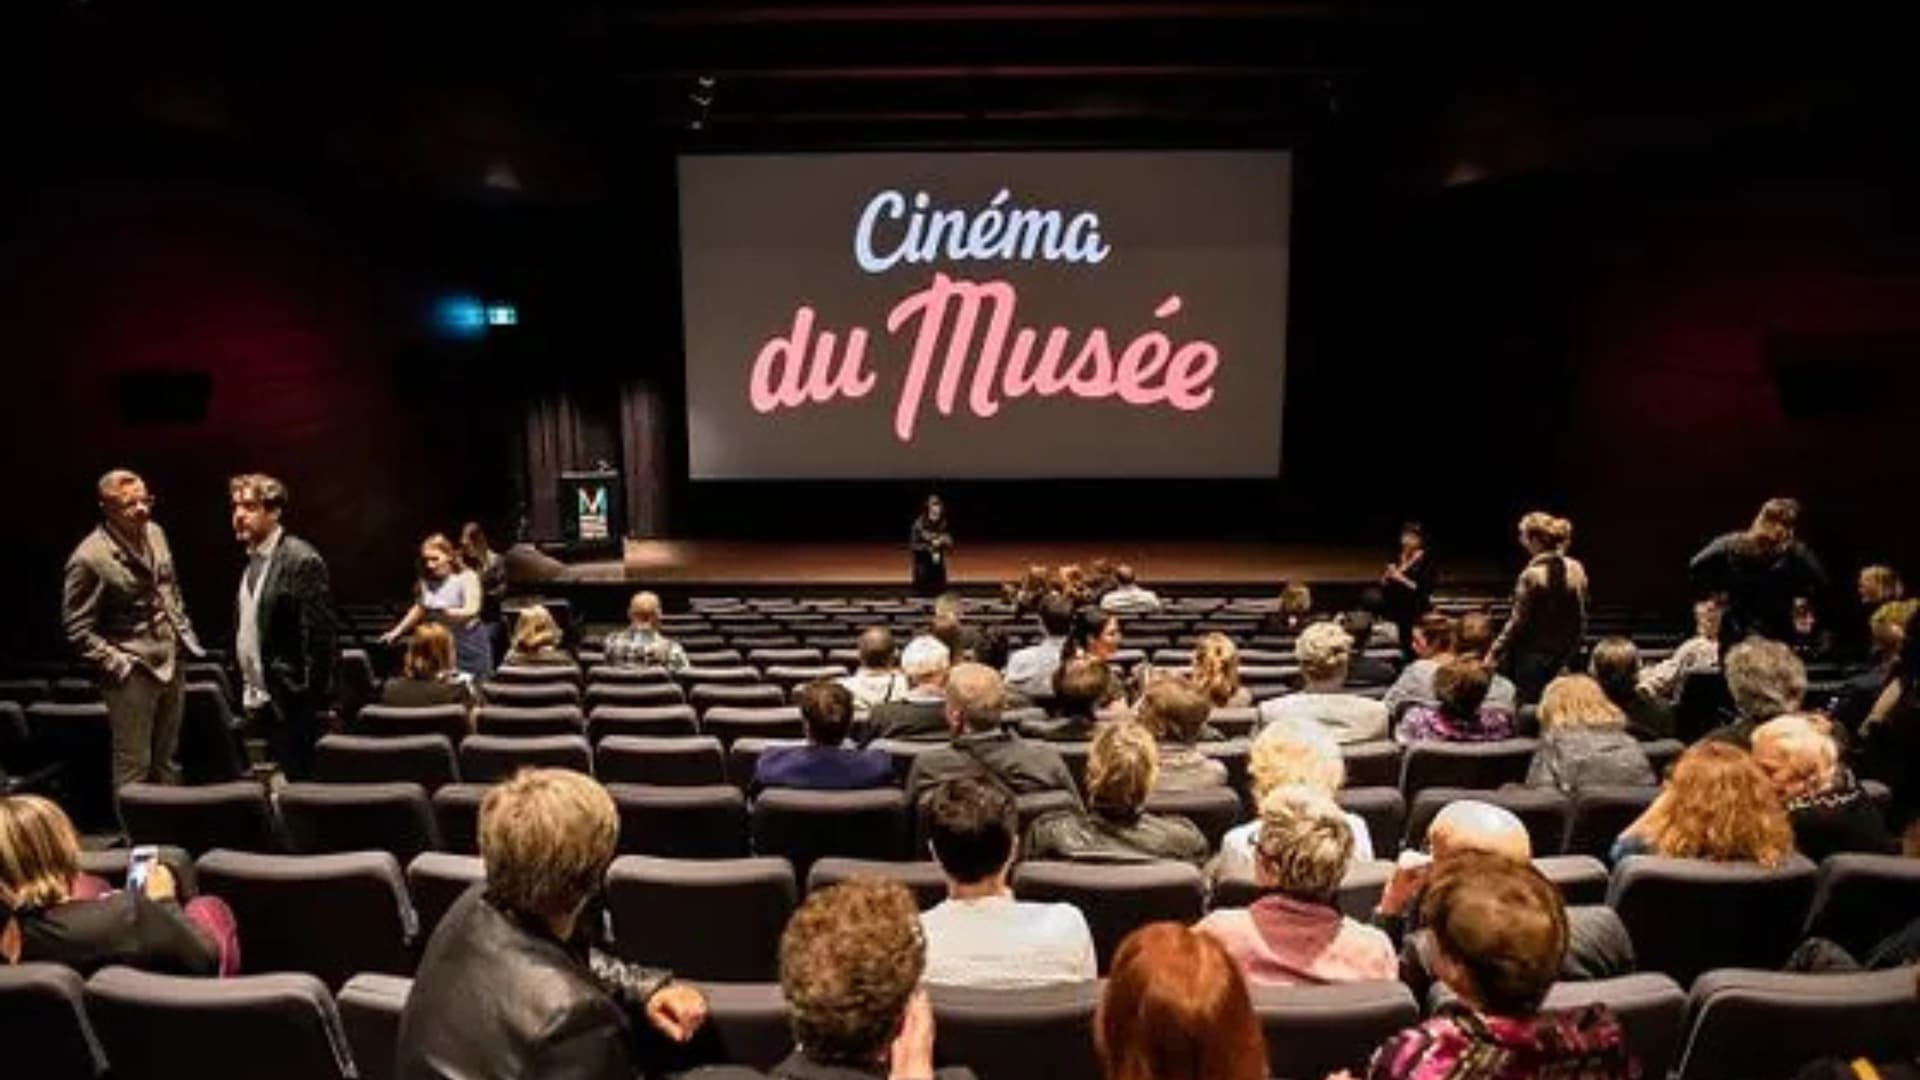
(591, 511)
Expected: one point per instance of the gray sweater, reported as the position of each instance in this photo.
(1574, 758)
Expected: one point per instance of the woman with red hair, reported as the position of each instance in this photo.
(1176, 1009)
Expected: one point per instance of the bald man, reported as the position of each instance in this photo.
(981, 747)
(878, 680)
(1598, 946)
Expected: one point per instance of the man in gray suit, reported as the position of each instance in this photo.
(123, 615)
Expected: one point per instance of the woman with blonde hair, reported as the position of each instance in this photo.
(1123, 764)
(536, 639)
(50, 912)
(449, 593)
(1719, 806)
(1289, 751)
(1549, 616)
(1216, 672)
(1584, 740)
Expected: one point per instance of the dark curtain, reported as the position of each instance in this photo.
(643, 455)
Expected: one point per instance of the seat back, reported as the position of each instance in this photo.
(435, 879)
(1212, 810)
(805, 826)
(719, 920)
(110, 866)
(531, 695)
(78, 733)
(1011, 1034)
(1581, 879)
(210, 751)
(331, 916)
(923, 879)
(674, 760)
(705, 822)
(1544, 811)
(1860, 900)
(489, 759)
(1485, 765)
(1384, 810)
(456, 813)
(322, 819)
(1357, 896)
(233, 815)
(1601, 814)
(633, 695)
(1372, 764)
(168, 1026)
(730, 722)
(1320, 1030)
(427, 760)
(1235, 722)
(749, 1022)
(524, 720)
(743, 758)
(1744, 1025)
(447, 720)
(43, 1007)
(1688, 916)
(1117, 899)
(370, 1008)
(1651, 1008)
(671, 719)
(536, 674)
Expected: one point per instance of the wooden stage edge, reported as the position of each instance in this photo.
(689, 564)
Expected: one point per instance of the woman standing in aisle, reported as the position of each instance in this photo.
(930, 542)
(449, 593)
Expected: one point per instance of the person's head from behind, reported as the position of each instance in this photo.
(429, 653)
(1303, 845)
(124, 500)
(876, 649)
(1080, 687)
(1879, 585)
(1474, 634)
(1291, 750)
(946, 629)
(1122, 765)
(1123, 576)
(971, 829)
(1056, 615)
(1579, 703)
(39, 853)
(547, 837)
(438, 556)
(1499, 932)
(643, 611)
(850, 960)
(976, 698)
(925, 662)
(1615, 665)
(1542, 533)
(1174, 711)
(826, 708)
(258, 500)
(1887, 628)
(535, 630)
(1296, 600)
(1433, 635)
(1765, 679)
(1718, 805)
(1461, 685)
(1175, 1008)
(1216, 667)
(1469, 826)
(1325, 651)
(1798, 754)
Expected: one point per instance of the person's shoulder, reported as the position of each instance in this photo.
(92, 547)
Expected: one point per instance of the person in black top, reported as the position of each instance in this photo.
(1830, 813)
(1761, 571)
(1408, 583)
(1549, 616)
(427, 676)
(1080, 689)
(1615, 665)
(930, 541)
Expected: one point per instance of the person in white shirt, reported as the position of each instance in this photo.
(1030, 670)
(980, 935)
(1128, 597)
(878, 679)
(1288, 751)
(1324, 651)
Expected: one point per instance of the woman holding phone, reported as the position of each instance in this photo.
(930, 541)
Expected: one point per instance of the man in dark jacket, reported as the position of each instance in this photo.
(921, 715)
(508, 988)
(1122, 766)
(286, 638)
(976, 697)
(1761, 570)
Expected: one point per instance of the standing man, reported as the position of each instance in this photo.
(122, 613)
(286, 632)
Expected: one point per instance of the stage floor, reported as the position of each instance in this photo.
(689, 564)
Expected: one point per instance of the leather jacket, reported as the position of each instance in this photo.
(498, 997)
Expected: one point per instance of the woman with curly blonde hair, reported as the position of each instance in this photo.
(1718, 805)
(1216, 672)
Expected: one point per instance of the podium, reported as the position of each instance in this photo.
(592, 513)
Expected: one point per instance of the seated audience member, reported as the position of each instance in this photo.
(877, 681)
(1698, 654)
(1500, 933)
(1030, 670)
(1095, 636)
(981, 747)
(509, 985)
(1121, 767)
(1176, 715)
(1288, 752)
(1216, 672)
(826, 762)
(1364, 670)
(1128, 597)
(1295, 934)
(1615, 665)
(1809, 637)
(536, 640)
(1436, 640)
(1877, 586)
(427, 675)
(992, 647)
(1890, 738)
(52, 913)
(1718, 806)
(1293, 612)
(1176, 1008)
(1463, 713)
(1830, 813)
(1765, 680)
(1584, 740)
(950, 627)
(1886, 631)
(641, 644)
(1598, 944)
(920, 715)
(980, 935)
(1324, 650)
(1081, 688)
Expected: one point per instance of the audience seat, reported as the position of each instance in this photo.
(682, 760)
(749, 1023)
(1212, 810)
(435, 879)
(354, 684)
(24, 767)
(25, 692)
(604, 674)
(1075, 755)
(76, 690)
(1601, 814)
(1485, 765)
(1233, 753)
(708, 697)
(1687, 916)
(705, 822)
(806, 826)
(43, 1020)
(1044, 1031)
(529, 720)
(1545, 812)
(791, 677)
(716, 675)
(716, 920)
(1652, 1010)
(530, 695)
(1116, 898)
(607, 720)
(743, 757)
(1758, 1025)
(1315, 1031)
(1662, 753)
(1357, 896)
(923, 879)
(902, 752)
(489, 759)
(427, 760)
(1705, 703)
(446, 720)
(791, 656)
(1384, 810)
(110, 866)
(624, 695)
(79, 735)
(370, 1008)
(323, 819)
(210, 747)
(1860, 900)
(536, 674)
(234, 815)
(170, 1027)
(331, 916)
(456, 812)
(1372, 764)
(730, 722)
(1581, 879)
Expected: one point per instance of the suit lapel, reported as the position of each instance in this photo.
(270, 577)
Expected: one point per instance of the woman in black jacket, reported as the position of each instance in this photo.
(1549, 616)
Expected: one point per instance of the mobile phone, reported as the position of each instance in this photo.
(139, 865)
(1411, 859)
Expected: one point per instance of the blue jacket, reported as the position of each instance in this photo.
(823, 768)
